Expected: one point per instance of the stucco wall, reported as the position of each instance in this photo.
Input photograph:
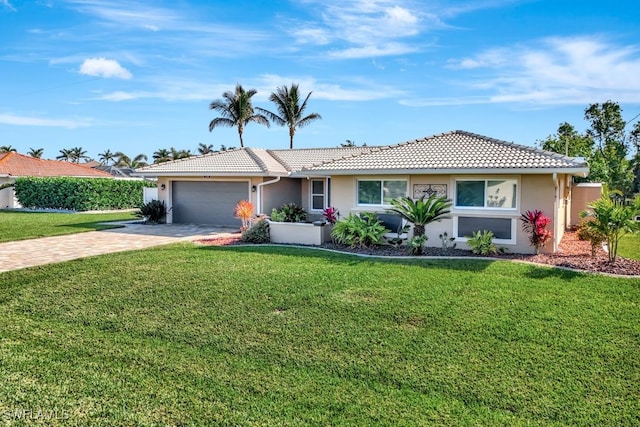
(287, 190)
(534, 192)
(7, 195)
(582, 195)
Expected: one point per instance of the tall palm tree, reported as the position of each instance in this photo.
(236, 111)
(77, 154)
(180, 154)
(125, 161)
(65, 154)
(290, 110)
(7, 149)
(107, 157)
(161, 156)
(205, 148)
(36, 152)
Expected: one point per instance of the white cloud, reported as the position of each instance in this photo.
(555, 71)
(102, 67)
(12, 119)
(8, 5)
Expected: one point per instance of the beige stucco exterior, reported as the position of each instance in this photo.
(7, 195)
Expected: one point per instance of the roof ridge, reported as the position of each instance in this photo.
(368, 150)
(257, 158)
(278, 159)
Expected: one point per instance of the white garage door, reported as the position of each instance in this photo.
(207, 202)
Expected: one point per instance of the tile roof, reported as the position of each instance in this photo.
(16, 164)
(251, 161)
(453, 151)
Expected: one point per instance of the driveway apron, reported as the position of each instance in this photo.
(46, 250)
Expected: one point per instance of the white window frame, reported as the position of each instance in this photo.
(381, 180)
(486, 208)
(312, 194)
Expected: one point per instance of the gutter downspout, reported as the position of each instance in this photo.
(555, 211)
(259, 195)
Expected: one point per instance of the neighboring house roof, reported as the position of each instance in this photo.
(15, 164)
(452, 152)
(117, 171)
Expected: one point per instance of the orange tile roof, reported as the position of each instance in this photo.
(16, 164)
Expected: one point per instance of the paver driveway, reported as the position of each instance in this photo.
(29, 253)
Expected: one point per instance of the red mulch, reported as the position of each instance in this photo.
(573, 253)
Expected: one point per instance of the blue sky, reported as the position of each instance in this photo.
(137, 76)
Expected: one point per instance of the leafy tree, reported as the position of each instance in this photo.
(162, 155)
(421, 212)
(36, 152)
(634, 137)
(205, 148)
(290, 110)
(569, 142)
(122, 160)
(106, 157)
(7, 149)
(236, 111)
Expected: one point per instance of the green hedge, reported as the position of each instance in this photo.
(79, 194)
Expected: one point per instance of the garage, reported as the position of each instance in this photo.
(207, 202)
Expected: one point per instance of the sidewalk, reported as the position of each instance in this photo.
(29, 253)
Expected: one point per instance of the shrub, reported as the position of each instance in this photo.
(154, 211)
(362, 230)
(482, 243)
(330, 214)
(446, 242)
(79, 194)
(289, 212)
(258, 233)
(534, 223)
(421, 212)
(244, 211)
(591, 234)
(417, 244)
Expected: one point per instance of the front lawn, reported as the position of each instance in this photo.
(189, 335)
(30, 225)
(629, 246)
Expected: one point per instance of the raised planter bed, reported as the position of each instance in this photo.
(300, 233)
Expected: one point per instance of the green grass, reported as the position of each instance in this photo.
(30, 225)
(629, 246)
(285, 336)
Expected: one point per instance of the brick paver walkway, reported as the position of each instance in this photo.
(29, 253)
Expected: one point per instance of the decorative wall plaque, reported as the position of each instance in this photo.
(428, 190)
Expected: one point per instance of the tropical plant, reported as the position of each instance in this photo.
(293, 213)
(416, 244)
(330, 214)
(257, 233)
(363, 230)
(400, 235)
(65, 154)
(290, 112)
(447, 242)
(421, 212)
(276, 215)
(180, 154)
(36, 152)
(236, 111)
(162, 155)
(481, 242)
(7, 149)
(535, 224)
(611, 218)
(244, 212)
(122, 160)
(590, 234)
(106, 157)
(205, 148)
(154, 211)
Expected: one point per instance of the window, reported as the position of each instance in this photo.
(317, 194)
(487, 193)
(380, 192)
(502, 228)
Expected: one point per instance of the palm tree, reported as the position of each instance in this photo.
(126, 162)
(161, 156)
(180, 154)
(36, 152)
(205, 148)
(77, 154)
(65, 154)
(290, 111)
(107, 157)
(7, 149)
(421, 212)
(236, 111)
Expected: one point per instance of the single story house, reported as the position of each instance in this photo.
(13, 165)
(490, 182)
